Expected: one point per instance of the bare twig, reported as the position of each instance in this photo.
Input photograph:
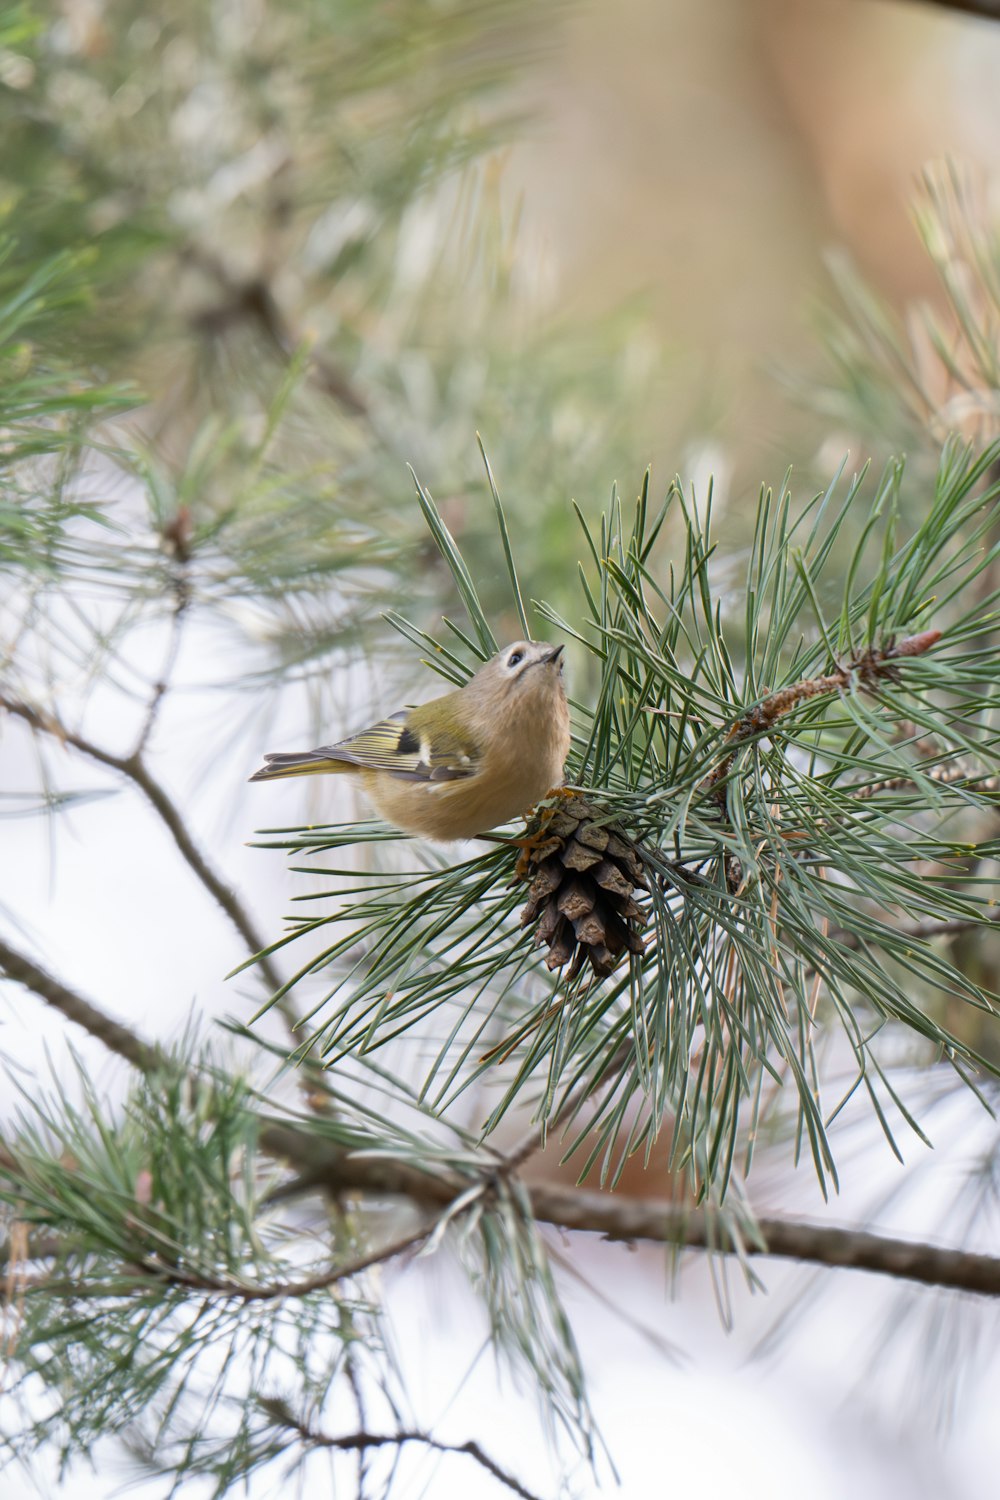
(288, 1291)
(135, 769)
(357, 1394)
(254, 301)
(866, 669)
(364, 1440)
(177, 538)
(115, 1036)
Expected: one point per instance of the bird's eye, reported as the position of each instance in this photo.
(515, 658)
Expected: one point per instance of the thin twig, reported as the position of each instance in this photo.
(135, 769)
(177, 538)
(115, 1036)
(866, 669)
(357, 1394)
(355, 1440)
(254, 302)
(290, 1291)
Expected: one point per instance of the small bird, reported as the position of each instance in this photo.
(464, 762)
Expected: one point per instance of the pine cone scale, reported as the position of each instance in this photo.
(583, 878)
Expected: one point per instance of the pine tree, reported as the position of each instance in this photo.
(777, 840)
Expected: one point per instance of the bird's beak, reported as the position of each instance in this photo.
(554, 654)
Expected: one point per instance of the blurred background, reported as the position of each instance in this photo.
(298, 246)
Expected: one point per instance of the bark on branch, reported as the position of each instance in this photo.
(617, 1217)
(874, 663)
(135, 769)
(321, 1165)
(362, 1441)
(115, 1036)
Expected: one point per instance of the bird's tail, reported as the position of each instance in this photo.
(312, 763)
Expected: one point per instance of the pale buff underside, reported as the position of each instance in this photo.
(512, 777)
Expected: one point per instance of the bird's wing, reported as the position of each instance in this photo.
(407, 751)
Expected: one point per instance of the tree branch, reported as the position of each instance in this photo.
(134, 768)
(115, 1036)
(617, 1217)
(875, 662)
(322, 1166)
(364, 1440)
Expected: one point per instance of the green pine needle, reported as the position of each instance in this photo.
(806, 820)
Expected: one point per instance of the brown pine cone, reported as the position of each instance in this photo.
(584, 873)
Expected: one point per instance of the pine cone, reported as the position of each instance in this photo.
(584, 874)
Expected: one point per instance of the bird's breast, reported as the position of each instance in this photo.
(503, 788)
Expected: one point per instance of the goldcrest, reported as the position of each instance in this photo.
(463, 763)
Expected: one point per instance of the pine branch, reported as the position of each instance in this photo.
(613, 1216)
(135, 769)
(618, 1217)
(696, 705)
(873, 664)
(365, 1440)
(116, 1037)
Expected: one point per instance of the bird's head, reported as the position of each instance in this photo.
(526, 675)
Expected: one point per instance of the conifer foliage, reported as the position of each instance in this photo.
(221, 339)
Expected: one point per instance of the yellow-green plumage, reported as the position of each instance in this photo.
(464, 762)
